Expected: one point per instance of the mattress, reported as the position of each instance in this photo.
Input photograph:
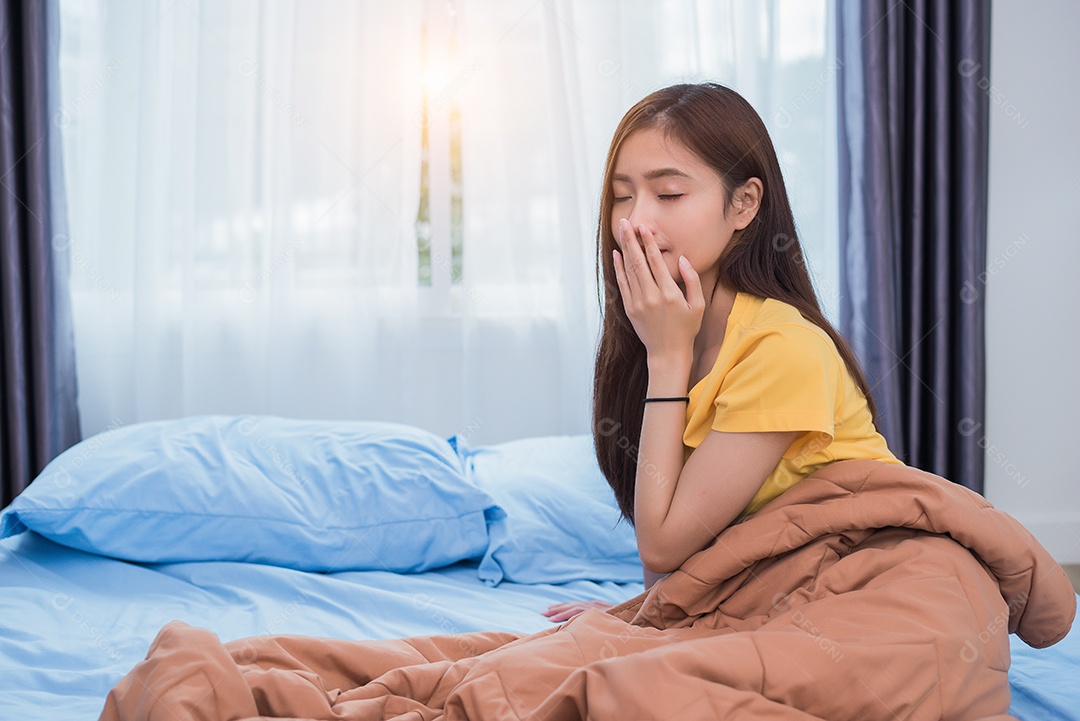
(255, 526)
(73, 623)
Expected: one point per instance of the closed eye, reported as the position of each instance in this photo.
(673, 196)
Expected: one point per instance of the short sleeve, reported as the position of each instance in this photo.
(785, 379)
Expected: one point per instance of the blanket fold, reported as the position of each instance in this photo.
(867, 590)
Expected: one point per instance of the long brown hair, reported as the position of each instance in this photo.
(764, 259)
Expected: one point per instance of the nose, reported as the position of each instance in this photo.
(638, 215)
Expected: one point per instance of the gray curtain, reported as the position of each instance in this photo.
(38, 412)
(913, 131)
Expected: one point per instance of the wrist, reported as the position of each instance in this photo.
(669, 375)
(671, 363)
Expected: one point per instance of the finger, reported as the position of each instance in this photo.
(556, 607)
(632, 285)
(656, 260)
(638, 272)
(620, 278)
(694, 296)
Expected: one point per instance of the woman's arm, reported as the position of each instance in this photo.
(675, 520)
(660, 454)
(678, 510)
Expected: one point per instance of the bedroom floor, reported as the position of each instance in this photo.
(1073, 572)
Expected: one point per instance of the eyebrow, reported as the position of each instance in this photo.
(654, 174)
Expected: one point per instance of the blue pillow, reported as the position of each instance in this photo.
(561, 522)
(309, 495)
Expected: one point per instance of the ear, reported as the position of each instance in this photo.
(746, 201)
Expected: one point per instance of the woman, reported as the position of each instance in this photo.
(706, 289)
(873, 590)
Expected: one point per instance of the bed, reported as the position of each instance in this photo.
(253, 526)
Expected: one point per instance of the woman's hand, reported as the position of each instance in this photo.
(664, 318)
(559, 612)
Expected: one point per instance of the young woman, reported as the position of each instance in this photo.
(719, 383)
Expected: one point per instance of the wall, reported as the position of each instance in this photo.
(1033, 254)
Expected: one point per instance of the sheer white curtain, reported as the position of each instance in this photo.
(245, 182)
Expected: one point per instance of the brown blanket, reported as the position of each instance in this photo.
(867, 591)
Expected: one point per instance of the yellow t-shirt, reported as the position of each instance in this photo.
(777, 371)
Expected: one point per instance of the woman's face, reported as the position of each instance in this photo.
(662, 185)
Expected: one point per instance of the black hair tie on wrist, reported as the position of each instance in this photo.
(675, 398)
